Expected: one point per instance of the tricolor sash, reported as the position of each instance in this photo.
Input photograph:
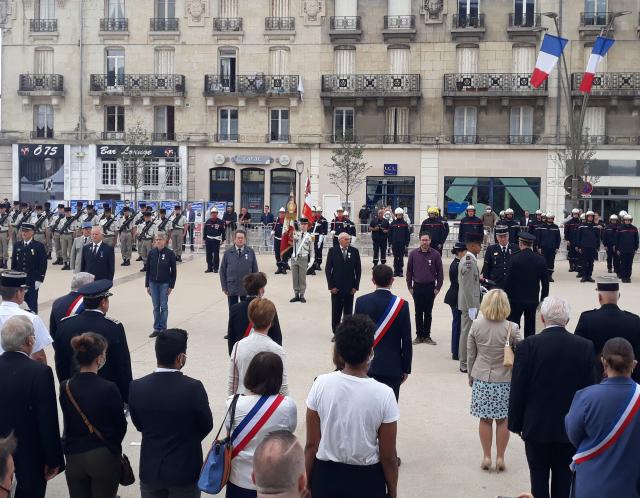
(628, 414)
(254, 421)
(388, 317)
(247, 331)
(76, 306)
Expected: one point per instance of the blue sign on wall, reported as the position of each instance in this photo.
(390, 169)
(456, 207)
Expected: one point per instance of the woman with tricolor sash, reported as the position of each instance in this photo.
(604, 424)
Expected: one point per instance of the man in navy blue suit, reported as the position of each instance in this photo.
(391, 363)
(98, 258)
(30, 256)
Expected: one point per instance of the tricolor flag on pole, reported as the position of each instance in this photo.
(550, 51)
(600, 49)
(306, 209)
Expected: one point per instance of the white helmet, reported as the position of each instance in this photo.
(508, 211)
(538, 211)
(399, 211)
(471, 208)
(282, 210)
(622, 213)
(628, 217)
(582, 216)
(501, 213)
(575, 211)
(550, 215)
(613, 217)
(590, 213)
(346, 213)
(214, 209)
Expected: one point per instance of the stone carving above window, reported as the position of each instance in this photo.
(433, 11)
(313, 11)
(196, 12)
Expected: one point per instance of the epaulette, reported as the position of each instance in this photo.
(112, 319)
(67, 317)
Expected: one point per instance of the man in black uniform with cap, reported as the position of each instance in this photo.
(214, 233)
(117, 369)
(497, 257)
(548, 242)
(526, 276)
(30, 257)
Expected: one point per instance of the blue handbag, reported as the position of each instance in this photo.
(217, 465)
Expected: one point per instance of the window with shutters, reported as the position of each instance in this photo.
(164, 123)
(524, 59)
(345, 60)
(279, 8)
(397, 130)
(467, 58)
(594, 126)
(43, 121)
(114, 122)
(228, 124)
(521, 125)
(165, 60)
(279, 125)
(43, 60)
(524, 13)
(398, 60)
(464, 125)
(399, 7)
(343, 124)
(109, 172)
(279, 61)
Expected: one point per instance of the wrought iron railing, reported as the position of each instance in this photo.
(227, 137)
(604, 84)
(227, 23)
(43, 25)
(258, 84)
(42, 133)
(471, 139)
(278, 137)
(280, 23)
(114, 24)
(465, 21)
(352, 23)
(525, 20)
(595, 18)
(464, 139)
(41, 83)
(396, 139)
(136, 84)
(491, 83)
(163, 137)
(113, 135)
(400, 22)
(371, 84)
(164, 24)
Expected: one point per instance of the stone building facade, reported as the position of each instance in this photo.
(228, 96)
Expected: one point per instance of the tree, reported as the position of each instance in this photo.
(348, 168)
(133, 163)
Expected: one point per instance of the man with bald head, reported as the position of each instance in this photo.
(98, 258)
(278, 467)
(343, 272)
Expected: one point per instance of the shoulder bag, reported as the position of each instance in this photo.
(127, 477)
(508, 350)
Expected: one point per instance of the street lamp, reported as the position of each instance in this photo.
(300, 170)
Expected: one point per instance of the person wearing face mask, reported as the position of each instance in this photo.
(8, 481)
(29, 410)
(93, 463)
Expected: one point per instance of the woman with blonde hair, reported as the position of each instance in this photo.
(489, 378)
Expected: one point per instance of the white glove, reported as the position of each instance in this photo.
(473, 312)
(37, 284)
(483, 290)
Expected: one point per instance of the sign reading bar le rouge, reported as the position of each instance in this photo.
(149, 151)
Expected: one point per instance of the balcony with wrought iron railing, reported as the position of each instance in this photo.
(163, 136)
(467, 26)
(280, 23)
(399, 28)
(114, 24)
(524, 24)
(491, 85)
(275, 137)
(113, 135)
(225, 24)
(43, 25)
(345, 27)
(595, 19)
(256, 85)
(609, 84)
(370, 85)
(41, 84)
(164, 24)
(474, 139)
(42, 133)
(131, 85)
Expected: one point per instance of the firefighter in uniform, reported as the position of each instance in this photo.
(512, 224)
(588, 243)
(5, 217)
(570, 228)
(548, 242)
(125, 234)
(626, 246)
(436, 227)
(379, 228)
(497, 258)
(350, 227)
(609, 242)
(319, 231)
(213, 234)
(470, 224)
(338, 226)
(399, 238)
(109, 226)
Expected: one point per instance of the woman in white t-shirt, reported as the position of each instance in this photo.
(262, 382)
(352, 423)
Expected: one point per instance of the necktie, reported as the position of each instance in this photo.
(344, 254)
(504, 251)
(95, 249)
(84, 243)
(239, 253)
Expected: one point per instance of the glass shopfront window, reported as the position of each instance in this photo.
(283, 182)
(222, 184)
(252, 192)
(394, 191)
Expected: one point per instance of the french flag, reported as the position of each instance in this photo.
(550, 52)
(600, 49)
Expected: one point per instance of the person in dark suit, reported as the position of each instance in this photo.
(497, 257)
(239, 324)
(608, 322)
(548, 370)
(172, 412)
(98, 258)
(30, 257)
(29, 410)
(451, 298)
(117, 368)
(526, 284)
(343, 272)
(393, 352)
(238, 260)
(69, 304)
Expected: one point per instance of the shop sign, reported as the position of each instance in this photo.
(390, 169)
(31, 151)
(140, 151)
(251, 159)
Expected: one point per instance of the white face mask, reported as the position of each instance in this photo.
(12, 490)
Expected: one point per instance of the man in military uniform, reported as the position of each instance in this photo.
(319, 231)
(213, 235)
(301, 251)
(94, 318)
(337, 226)
(527, 283)
(109, 225)
(162, 223)
(588, 243)
(13, 219)
(23, 216)
(30, 256)
(469, 294)
(47, 236)
(399, 238)
(40, 224)
(497, 258)
(5, 220)
(609, 321)
(570, 229)
(125, 234)
(436, 228)
(379, 228)
(548, 242)
(626, 245)
(138, 222)
(58, 219)
(278, 226)
(146, 234)
(68, 228)
(178, 229)
(91, 216)
(470, 224)
(609, 242)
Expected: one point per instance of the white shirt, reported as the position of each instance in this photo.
(351, 410)
(285, 417)
(9, 309)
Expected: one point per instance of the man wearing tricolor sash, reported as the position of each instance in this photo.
(391, 364)
(69, 304)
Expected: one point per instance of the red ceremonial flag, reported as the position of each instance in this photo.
(306, 210)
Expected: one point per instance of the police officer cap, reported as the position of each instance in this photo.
(399, 211)
(607, 283)
(526, 237)
(67, 209)
(60, 206)
(214, 209)
(87, 224)
(502, 230)
(146, 213)
(304, 220)
(94, 290)
(282, 210)
(14, 279)
(27, 226)
(473, 237)
(458, 246)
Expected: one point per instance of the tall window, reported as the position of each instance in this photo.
(524, 13)
(114, 121)
(43, 60)
(343, 129)
(345, 60)
(464, 125)
(398, 60)
(227, 68)
(521, 125)
(468, 12)
(595, 12)
(164, 128)
(397, 125)
(115, 66)
(45, 9)
(109, 172)
(524, 59)
(399, 8)
(279, 125)
(467, 58)
(115, 9)
(346, 8)
(152, 173)
(165, 9)
(172, 173)
(279, 8)
(279, 61)
(165, 60)
(594, 126)
(228, 124)
(228, 8)
(43, 121)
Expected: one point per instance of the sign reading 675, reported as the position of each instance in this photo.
(41, 150)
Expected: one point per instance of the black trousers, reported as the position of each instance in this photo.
(398, 259)
(626, 264)
(572, 256)
(31, 298)
(276, 251)
(380, 249)
(235, 299)
(529, 312)
(613, 261)
(317, 252)
(549, 254)
(393, 382)
(31, 489)
(189, 236)
(339, 480)
(549, 459)
(213, 254)
(341, 304)
(589, 255)
(423, 297)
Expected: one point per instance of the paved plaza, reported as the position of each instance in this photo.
(437, 438)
